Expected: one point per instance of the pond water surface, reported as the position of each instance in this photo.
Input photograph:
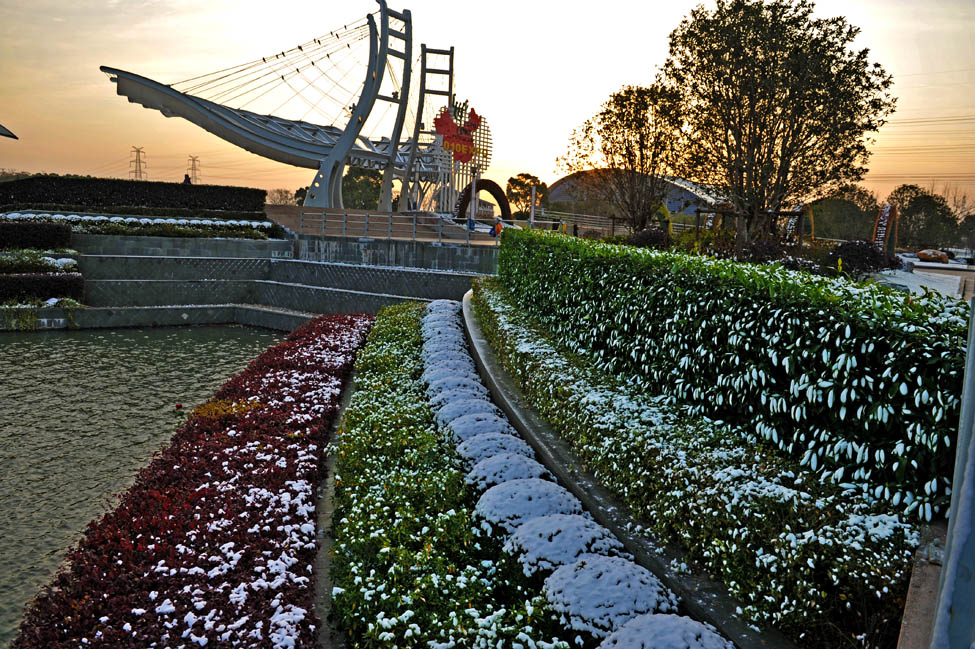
(80, 413)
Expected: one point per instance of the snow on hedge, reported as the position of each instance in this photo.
(664, 631)
(483, 446)
(463, 428)
(799, 552)
(600, 594)
(505, 467)
(548, 542)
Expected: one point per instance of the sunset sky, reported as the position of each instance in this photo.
(534, 70)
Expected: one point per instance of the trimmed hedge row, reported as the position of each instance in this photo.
(409, 567)
(821, 563)
(131, 196)
(42, 236)
(860, 383)
(41, 285)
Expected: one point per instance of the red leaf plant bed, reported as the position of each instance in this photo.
(214, 543)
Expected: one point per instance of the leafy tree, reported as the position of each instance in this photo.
(627, 148)
(925, 220)
(361, 187)
(847, 213)
(777, 105)
(519, 192)
(300, 194)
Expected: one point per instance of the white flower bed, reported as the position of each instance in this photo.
(542, 523)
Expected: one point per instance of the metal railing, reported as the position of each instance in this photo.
(420, 226)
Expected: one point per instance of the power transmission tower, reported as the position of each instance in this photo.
(193, 169)
(139, 163)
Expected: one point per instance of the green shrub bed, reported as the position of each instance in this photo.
(859, 383)
(16, 234)
(409, 567)
(102, 194)
(826, 565)
(30, 260)
(22, 287)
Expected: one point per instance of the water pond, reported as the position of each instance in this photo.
(80, 413)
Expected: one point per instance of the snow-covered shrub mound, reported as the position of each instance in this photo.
(511, 503)
(600, 594)
(436, 347)
(442, 326)
(504, 468)
(465, 406)
(447, 369)
(456, 383)
(664, 631)
(451, 396)
(463, 428)
(549, 542)
(443, 306)
(446, 354)
(485, 445)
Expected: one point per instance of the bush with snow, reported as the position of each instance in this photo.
(485, 445)
(664, 631)
(509, 504)
(548, 542)
(503, 468)
(463, 428)
(464, 406)
(599, 594)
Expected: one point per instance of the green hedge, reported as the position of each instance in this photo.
(820, 563)
(34, 235)
(27, 286)
(110, 195)
(860, 383)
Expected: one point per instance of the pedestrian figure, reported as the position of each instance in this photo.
(575, 229)
(186, 179)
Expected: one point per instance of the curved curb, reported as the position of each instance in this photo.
(704, 599)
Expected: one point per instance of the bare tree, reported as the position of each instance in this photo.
(625, 150)
(280, 197)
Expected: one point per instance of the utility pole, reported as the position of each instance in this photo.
(193, 169)
(139, 164)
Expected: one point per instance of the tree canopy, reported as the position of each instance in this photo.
(925, 220)
(777, 105)
(627, 148)
(519, 192)
(361, 188)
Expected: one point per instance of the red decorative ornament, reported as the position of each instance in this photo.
(457, 139)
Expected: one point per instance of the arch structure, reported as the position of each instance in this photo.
(326, 148)
(489, 186)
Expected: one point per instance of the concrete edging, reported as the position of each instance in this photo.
(704, 599)
(54, 319)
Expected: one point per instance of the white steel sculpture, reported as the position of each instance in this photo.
(317, 74)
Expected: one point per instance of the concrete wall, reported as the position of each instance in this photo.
(105, 244)
(306, 286)
(481, 260)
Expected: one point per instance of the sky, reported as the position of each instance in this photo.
(535, 70)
